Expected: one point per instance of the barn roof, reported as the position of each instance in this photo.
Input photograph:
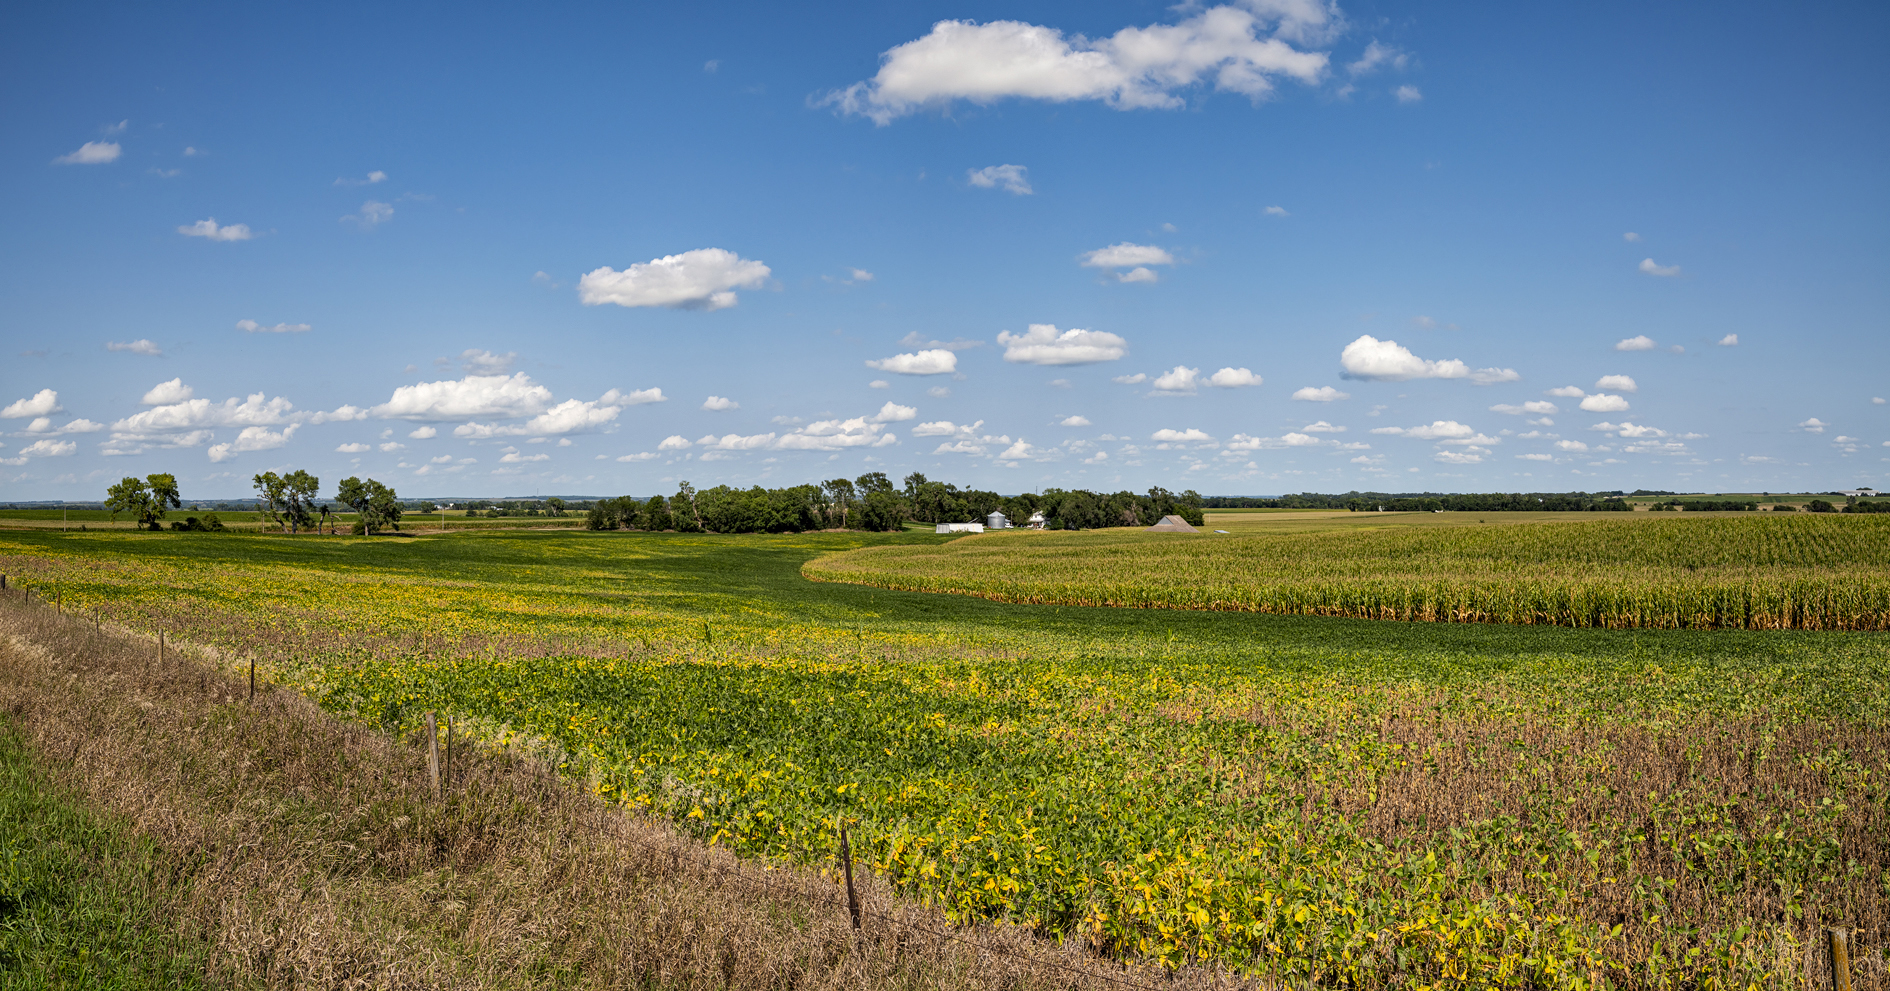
(1171, 524)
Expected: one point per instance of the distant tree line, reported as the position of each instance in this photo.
(1455, 502)
(1705, 506)
(872, 502)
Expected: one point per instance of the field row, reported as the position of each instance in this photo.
(1790, 573)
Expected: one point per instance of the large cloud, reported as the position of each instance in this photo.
(42, 449)
(464, 399)
(568, 417)
(1042, 344)
(1137, 67)
(833, 435)
(253, 439)
(91, 153)
(1387, 361)
(703, 279)
(935, 361)
(193, 421)
(1602, 402)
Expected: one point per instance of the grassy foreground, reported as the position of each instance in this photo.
(1330, 800)
(1722, 572)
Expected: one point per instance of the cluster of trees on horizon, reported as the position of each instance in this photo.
(870, 502)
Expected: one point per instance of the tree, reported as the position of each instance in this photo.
(682, 510)
(840, 499)
(145, 499)
(557, 506)
(655, 515)
(287, 499)
(375, 503)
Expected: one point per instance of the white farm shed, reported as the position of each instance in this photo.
(960, 528)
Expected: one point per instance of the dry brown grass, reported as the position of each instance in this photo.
(306, 852)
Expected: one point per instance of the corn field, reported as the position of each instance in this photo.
(1763, 573)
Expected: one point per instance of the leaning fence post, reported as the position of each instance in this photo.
(433, 755)
(1837, 942)
(252, 678)
(160, 648)
(449, 751)
(846, 863)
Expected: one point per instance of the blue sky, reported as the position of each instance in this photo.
(1242, 248)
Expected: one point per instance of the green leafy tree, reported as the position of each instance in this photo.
(144, 499)
(682, 510)
(840, 500)
(602, 516)
(655, 515)
(376, 505)
(288, 500)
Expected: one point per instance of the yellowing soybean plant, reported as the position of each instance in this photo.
(1754, 573)
(1329, 801)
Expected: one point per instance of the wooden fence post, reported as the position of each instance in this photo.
(449, 751)
(1837, 942)
(160, 647)
(846, 862)
(433, 755)
(252, 678)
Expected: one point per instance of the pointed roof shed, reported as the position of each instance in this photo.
(1171, 524)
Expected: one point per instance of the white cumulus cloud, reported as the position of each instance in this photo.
(1640, 342)
(1729, 341)
(424, 433)
(1137, 379)
(1225, 47)
(703, 279)
(42, 449)
(675, 442)
(1168, 435)
(720, 403)
(1042, 344)
(1813, 426)
(1568, 391)
(1074, 421)
(1322, 427)
(1321, 394)
(1618, 383)
(1177, 381)
(1602, 402)
(209, 229)
(253, 439)
(1387, 361)
(893, 413)
(1407, 94)
(934, 361)
(354, 448)
(1664, 271)
(1435, 430)
(1233, 378)
(166, 393)
(42, 403)
(467, 398)
(1010, 178)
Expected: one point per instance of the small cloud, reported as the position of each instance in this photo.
(1276, 211)
(423, 433)
(641, 456)
(192, 152)
(1537, 406)
(674, 442)
(372, 177)
(476, 361)
(703, 279)
(859, 275)
(1387, 361)
(1178, 381)
(140, 346)
(1631, 237)
(1074, 421)
(41, 403)
(1407, 94)
(720, 403)
(1322, 427)
(1664, 271)
(1877, 400)
(1493, 376)
(166, 393)
(1571, 445)
(208, 228)
(1010, 178)
(1435, 430)
(1168, 435)
(893, 413)
(543, 278)
(1059, 383)
(1640, 342)
(252, 327)
(939, 392)
(1170, 228)
(91, 153)
(1729, 341)
(165, 173)
(1536, 457)
(1813, 426)
(1618, 383)
(936, 361)
(1138, 274)
(710, 66)
(1602, 402)
(354, 448)
(1125, 254)
(879, 384)
(393, 445)
(373, 214)
(1568, 391)
(1378, 55)
(1042, 344)
(1137, 379)
(918, 340)
(1423, 323)
(1322, 394)
(1233, 378)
